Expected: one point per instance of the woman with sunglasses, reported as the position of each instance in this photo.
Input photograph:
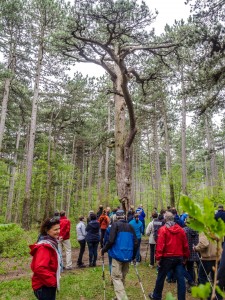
(46, 262)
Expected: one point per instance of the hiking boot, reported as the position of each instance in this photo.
(81, 266)
(150, 295)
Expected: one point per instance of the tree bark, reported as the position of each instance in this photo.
(12, 181)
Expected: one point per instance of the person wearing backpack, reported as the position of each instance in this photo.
(122, 247)
(152, 242)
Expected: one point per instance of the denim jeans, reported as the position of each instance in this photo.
(102, 237)
(92, 248)
(138, 258)
(82, 249)
(166, 264)
(45, 293)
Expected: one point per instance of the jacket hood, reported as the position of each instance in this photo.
(94, 224)
(35, 247)
(174, 229)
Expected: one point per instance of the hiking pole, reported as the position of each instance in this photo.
(139, 279)
(103, 277)
(206, 274)
(146, 252)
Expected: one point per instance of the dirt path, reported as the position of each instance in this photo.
(12, 268)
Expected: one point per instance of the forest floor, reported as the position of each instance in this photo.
(80, 281)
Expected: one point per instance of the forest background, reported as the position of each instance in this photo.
(59, 138)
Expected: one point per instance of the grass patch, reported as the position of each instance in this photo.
(87, 284)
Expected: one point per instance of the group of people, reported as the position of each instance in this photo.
(173, 245)
(177, 249)
(121, 241)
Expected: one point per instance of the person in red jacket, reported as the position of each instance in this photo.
(171, 253)
(104, 221)
(46, 261)
(64, 239)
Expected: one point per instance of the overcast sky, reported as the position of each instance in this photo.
(169, 11)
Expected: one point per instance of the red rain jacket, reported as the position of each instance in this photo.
(44, 265)
(64, 228)
(171, 242)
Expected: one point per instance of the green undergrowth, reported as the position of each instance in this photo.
(87, 284)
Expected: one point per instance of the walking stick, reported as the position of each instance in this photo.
(103, 277)
(139, 279)
(146, 252)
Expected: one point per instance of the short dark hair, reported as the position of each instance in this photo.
(62, 213)
(81, 218)
(154, 215)
(47, 224)
(93, 217)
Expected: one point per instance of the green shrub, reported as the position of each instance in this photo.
(13, 241)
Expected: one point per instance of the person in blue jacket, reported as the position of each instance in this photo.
(138, 228)
(122, 247)
(141, 213)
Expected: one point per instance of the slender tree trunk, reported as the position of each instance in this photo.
(30, 154)
(100, 168)
(183, 139)
(11, 68)
(107, 157)
(90, 180)
(39, 202)
(48, 201)
(157, 175)
(12, 181)
(212, 154)
(168, 155)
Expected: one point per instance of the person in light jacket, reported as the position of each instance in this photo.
(152, 242)
(81, 234)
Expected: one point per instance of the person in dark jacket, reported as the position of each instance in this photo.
(122, 247)
(93, 239)
(193, 239)
(100, 210)
(221, 271)
(220, 213)
(130, 214)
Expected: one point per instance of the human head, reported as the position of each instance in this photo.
(48, 224)
(91, 212)
(220, 207)
(62, 213)
(56, 213)
(100, 206)
(173, 211)
(81, 218)
(93, 217)
(154, 215)
(136, 217)
(120, 214)
(168, 216)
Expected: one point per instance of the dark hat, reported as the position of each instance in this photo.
(120, 213)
